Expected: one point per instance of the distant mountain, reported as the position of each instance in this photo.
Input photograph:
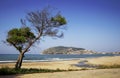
(67, 50)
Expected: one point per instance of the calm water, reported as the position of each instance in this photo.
(37, 57)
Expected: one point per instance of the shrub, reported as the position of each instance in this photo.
(106, 66)
(7, 71)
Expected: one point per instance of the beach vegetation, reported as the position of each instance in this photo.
(10, 71)
(107, 66)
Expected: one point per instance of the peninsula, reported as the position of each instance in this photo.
(67, 50)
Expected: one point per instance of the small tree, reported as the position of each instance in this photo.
(44, 23)
(20, 38)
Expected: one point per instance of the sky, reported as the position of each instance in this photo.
(91, 24)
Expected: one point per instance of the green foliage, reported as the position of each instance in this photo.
(59, 19)
(19, 36)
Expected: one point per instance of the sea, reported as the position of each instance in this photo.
(9, 58)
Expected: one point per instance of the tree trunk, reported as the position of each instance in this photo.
(19, 61)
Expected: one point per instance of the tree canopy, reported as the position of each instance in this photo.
(45, 24)
(18, 37)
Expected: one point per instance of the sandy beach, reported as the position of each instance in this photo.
(63, 65)
(66, 65)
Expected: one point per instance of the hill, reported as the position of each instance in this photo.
(67, 50)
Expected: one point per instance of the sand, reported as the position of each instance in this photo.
(66, 65)
(63, 65)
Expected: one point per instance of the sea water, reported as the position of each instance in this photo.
(6, 58)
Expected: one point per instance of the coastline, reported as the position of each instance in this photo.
(11, 58)
(70, 64)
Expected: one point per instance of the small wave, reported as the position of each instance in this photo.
(62, 59)
(53, 59)
(12, 61)
(35, 60)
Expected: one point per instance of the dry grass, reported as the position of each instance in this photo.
(107, 61)
(101, 73)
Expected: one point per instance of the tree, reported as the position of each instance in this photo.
(44, 23)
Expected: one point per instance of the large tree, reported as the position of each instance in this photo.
(43, 22)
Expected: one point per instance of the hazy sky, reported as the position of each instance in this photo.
(92, 24)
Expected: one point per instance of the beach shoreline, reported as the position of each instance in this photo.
(67, 64)
(53, 65)
(70, 65)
